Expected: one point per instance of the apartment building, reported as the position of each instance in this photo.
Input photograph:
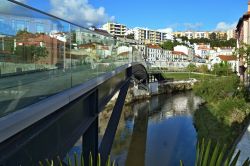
(148, 36)
(231, 34)
(115, 29)
(198, 34)
(192, 34)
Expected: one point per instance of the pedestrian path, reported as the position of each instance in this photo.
(244, 147)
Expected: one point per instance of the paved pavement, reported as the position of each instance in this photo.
(244, 147)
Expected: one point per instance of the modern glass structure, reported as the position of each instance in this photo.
(42, 55)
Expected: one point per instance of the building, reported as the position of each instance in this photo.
(243, 36)
(231, 34)
(118, 30)
(55, 49)
(153, 53)
(232, 60)
(186, 50)
(199, 34)
(221, 51)
(192, 34)
(148, 36)
(178, 56)
(202, 50)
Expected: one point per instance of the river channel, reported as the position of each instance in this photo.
(154, 132)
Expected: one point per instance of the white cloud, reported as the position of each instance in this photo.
(166, 30)
(223, 26)
(79, 11)
(6, 5)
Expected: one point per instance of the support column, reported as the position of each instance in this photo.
(90, 137)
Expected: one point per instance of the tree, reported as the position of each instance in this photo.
(30, 53)
(191, 68)
(203, 69)
(213, 36)
(168, 45)
(243, 53)
(131, 36)
(222, 69)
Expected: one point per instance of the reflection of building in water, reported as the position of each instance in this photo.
(178, 105)
(11, 24)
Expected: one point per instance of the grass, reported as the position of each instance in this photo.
(185, 76)
(226, 113)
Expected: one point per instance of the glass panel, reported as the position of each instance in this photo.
(41, 55)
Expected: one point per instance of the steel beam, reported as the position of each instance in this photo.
(108, 138)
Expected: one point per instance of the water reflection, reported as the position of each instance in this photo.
(153, 132)
(159, 132)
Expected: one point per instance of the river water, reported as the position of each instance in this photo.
(154, 132)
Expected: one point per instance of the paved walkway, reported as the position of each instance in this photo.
(244, 147)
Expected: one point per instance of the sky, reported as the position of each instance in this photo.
(164, 15)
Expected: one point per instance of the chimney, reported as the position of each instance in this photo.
(248, 6)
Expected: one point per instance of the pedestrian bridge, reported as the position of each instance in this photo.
(56, 77)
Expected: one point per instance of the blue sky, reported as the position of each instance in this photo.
(157, 14)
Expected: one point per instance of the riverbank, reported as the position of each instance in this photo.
(226, 113)
(136, 94)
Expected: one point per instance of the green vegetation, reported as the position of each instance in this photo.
(222, 69)
(226, 112)
(169, 45)
(77, 161)
(186, 75)
(214, 41)
(208, 154)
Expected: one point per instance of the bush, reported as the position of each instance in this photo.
(216, 89)
(231, 110)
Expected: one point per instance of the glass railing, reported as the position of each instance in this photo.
(41, 55)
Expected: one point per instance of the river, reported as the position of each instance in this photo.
(154, 132)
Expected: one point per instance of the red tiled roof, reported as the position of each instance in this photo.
(178, 53)
(227, 57)
(105, 48)
(203, 48)
(124, 54)
(197, 56)
(89, 45)
(153, 46)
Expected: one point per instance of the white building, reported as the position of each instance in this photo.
(221, 51)
(187, 50)
(231, 34)
(225, 58)
(148, 36)
(154, 53)
(202, 50)
(115, 29)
